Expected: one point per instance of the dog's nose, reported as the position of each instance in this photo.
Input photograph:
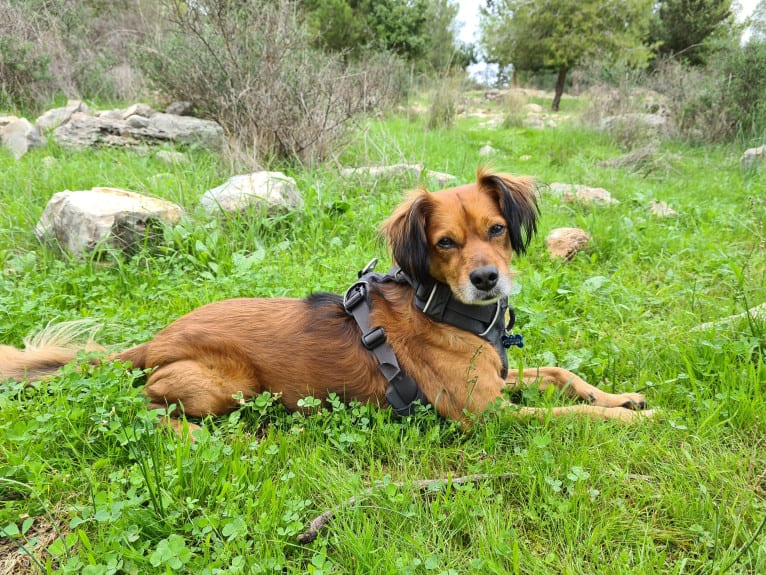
(484, 278)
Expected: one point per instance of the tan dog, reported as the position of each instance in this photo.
(462, 237)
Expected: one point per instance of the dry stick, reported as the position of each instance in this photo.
(312, 531)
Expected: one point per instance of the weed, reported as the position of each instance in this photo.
(90, 483)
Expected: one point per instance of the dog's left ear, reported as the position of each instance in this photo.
(405, 233)
(517, 197)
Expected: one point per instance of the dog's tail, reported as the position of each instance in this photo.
(46, 352)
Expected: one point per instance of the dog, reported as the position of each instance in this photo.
(459, 240)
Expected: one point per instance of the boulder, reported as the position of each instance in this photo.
(582, 194)
(566, 242)
(753, 157)
(272, 190)
(658, 124)
(136, 126)
(139, 109)
(57, 116)
(18, 135)
(82, 221)
(180, 108)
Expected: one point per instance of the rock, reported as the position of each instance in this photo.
(636, 158)
(80, 222)
(136, 121)
(441, 179)
(655, 123)
(181, 108)
(384, 171)
(533, 122)
(757, 313)
(138, 110)
(753, 157)
(582, 194)
(487, 151)
(84, 130)
(57, 116)
(274, 190)
(171, 157)
(186, 130)
(533, 108)
(109, 114)
(661, 209)
(18, 135)
(566, 242)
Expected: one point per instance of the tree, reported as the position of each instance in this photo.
(560, 34)
(758, 21)
(420, 31)
(684, 28)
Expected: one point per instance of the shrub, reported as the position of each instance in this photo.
(513, 108)
(445, 99)
(251, 66)
(24, 77)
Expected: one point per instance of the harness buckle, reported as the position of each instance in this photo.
(355, 295)
(374, 338)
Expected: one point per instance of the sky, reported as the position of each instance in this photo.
(468, 15)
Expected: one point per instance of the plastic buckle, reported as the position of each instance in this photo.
(374, 338)
(355, 295)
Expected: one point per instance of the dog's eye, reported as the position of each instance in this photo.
(446, 243)
(496, 230)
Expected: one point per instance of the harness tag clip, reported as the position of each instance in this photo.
(368, 268)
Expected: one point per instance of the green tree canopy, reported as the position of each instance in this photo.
(421, 31)
(560, 34)
(685, 27)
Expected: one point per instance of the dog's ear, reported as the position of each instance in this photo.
(405, 233)
(517, 196)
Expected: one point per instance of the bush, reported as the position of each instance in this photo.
(24, 77)
(722, 100)
(251, 66)
(445, 100)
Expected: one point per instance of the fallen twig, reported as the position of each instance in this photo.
(320, 521)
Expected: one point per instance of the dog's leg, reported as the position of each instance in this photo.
(198, 389)
(573, 386)
(620, 414)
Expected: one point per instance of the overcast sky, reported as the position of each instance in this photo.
(469, 16)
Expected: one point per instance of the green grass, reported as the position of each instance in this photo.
(90, 484)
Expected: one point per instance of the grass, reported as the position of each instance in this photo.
(90, 484)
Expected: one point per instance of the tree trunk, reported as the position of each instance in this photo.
(559, 88)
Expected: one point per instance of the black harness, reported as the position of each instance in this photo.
(438, 303)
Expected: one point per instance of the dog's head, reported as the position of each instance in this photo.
(465, 236)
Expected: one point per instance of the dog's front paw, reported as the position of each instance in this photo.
(635, 401)
(630, 415)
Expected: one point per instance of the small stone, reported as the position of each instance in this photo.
(566, 242)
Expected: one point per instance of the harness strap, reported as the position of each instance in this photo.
(402, 391)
